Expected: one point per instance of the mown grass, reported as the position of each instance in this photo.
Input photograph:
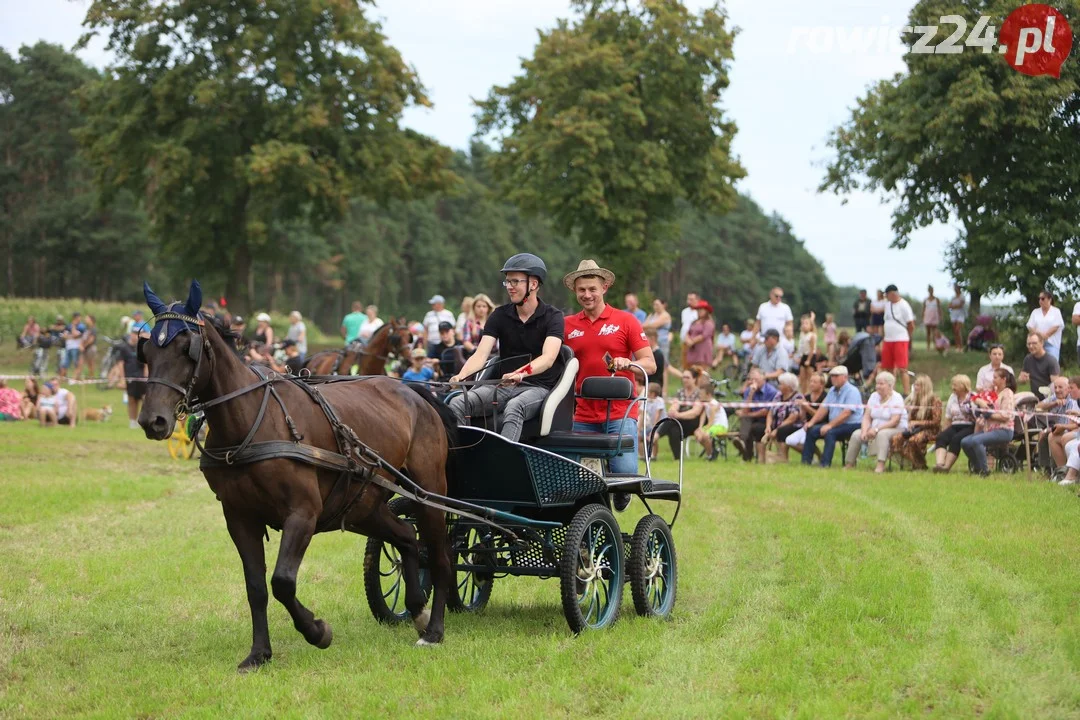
(802, 593)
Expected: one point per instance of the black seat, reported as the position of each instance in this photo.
(560, 440)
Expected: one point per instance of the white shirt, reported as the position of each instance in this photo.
(1076, 311)
(727, 341)
(62, 399)
(686, 319)
(897, 316)
(1041, 323)
(881, 412)
(431, 323)
(368, 328)
(985, 379)
(774, 317)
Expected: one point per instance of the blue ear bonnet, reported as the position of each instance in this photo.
(166, 330)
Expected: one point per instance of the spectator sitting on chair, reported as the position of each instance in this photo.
(924, 421)
(843, 412)
(958, 423)
(993, 422)
(783, 420)
(770, 358)
(899, 325)
(1059, 408)
(687, 408)
(1046, 322)
(10, 402)
(807, 407)
(1040, 367)
(985, 379)
(29, 334)
(885, 416)
(1065, 431)
(752, 420)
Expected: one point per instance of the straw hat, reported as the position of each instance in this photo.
(588, 267)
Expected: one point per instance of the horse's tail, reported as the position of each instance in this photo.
(449, 421)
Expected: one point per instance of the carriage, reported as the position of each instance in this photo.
(550, 500)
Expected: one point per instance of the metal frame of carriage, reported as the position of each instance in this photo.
(554, 514)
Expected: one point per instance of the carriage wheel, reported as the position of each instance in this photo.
(180, 445)
(591, 569)
(384, 581)
(473, 589)
(653, 568)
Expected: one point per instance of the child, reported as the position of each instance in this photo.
(788, 342)
(46, 405)
(749, 340)
(654, 412)
(420, 370)
(712, 430)
(830, 336)
(808, 357)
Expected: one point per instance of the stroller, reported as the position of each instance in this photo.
(983, 334)
(862, 357)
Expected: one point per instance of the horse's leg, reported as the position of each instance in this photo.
(296, 534)
(433, 534)
(247, 535)
(388, 527)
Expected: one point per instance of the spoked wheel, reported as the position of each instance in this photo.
(652, 568)
(591, 569)
(180, 445)
(384, 580)
(473, 588)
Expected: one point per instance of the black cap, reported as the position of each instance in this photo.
(237, 319)
(444, 326)
(891, 288)
(772, 333)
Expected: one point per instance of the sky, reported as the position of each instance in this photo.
(799, 68)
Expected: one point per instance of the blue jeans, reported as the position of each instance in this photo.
(625, 463)
(1054, 350)
(70, 358)
(975, 445)
(840, 432)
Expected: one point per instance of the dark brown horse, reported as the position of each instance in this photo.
(191, 365)
(390, 340)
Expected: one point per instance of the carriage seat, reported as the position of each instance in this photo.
(557, 412)
(593, 444)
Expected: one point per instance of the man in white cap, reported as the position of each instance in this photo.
(595, 334)
(436, 315)
(843, 412)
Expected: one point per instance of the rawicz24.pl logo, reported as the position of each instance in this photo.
(1035, 39)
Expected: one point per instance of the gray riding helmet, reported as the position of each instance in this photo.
(526, 263)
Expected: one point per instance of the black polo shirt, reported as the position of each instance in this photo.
(518, 338)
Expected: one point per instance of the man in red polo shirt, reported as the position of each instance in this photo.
(600, 330)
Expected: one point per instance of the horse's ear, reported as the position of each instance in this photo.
(152, 301)
(194, 299)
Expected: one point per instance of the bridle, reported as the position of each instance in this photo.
(198, 349)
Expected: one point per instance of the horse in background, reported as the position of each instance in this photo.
(390, 340)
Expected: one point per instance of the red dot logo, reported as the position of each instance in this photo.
(1036, 40)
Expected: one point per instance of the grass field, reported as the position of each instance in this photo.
(802, 593)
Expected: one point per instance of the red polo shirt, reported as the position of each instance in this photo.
(616, 332)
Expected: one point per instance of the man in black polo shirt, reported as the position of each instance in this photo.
(526, 328)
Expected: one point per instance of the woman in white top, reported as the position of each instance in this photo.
(1047, 323)
(885, 416)
(464, 316)
(931, 317)
(957, 316)
(985, 379)
(298, 332)
(877, 314)
(371, 324)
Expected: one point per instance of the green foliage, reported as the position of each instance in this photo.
(965, 137)
(615, 119)
(231, 117)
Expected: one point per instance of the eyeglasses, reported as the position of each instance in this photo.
(513, 282)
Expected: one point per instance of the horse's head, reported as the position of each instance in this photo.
(400, 338)
(178, 358)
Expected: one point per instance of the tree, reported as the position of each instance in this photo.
(614, 120)
(230, 116)
(965, 137)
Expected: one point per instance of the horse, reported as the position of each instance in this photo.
(390, 340)
(193, 366)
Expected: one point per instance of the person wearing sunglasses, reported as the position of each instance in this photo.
(526, 328)
(774, 314)
(1046, 322)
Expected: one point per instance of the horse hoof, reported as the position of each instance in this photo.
(420, 622)
(425, 643)
(252, 663)
(327, 636)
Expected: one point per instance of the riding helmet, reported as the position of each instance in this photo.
(526, 263)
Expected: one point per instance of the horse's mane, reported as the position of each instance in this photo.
(230, 336)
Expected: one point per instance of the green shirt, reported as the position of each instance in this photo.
(352, 323)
